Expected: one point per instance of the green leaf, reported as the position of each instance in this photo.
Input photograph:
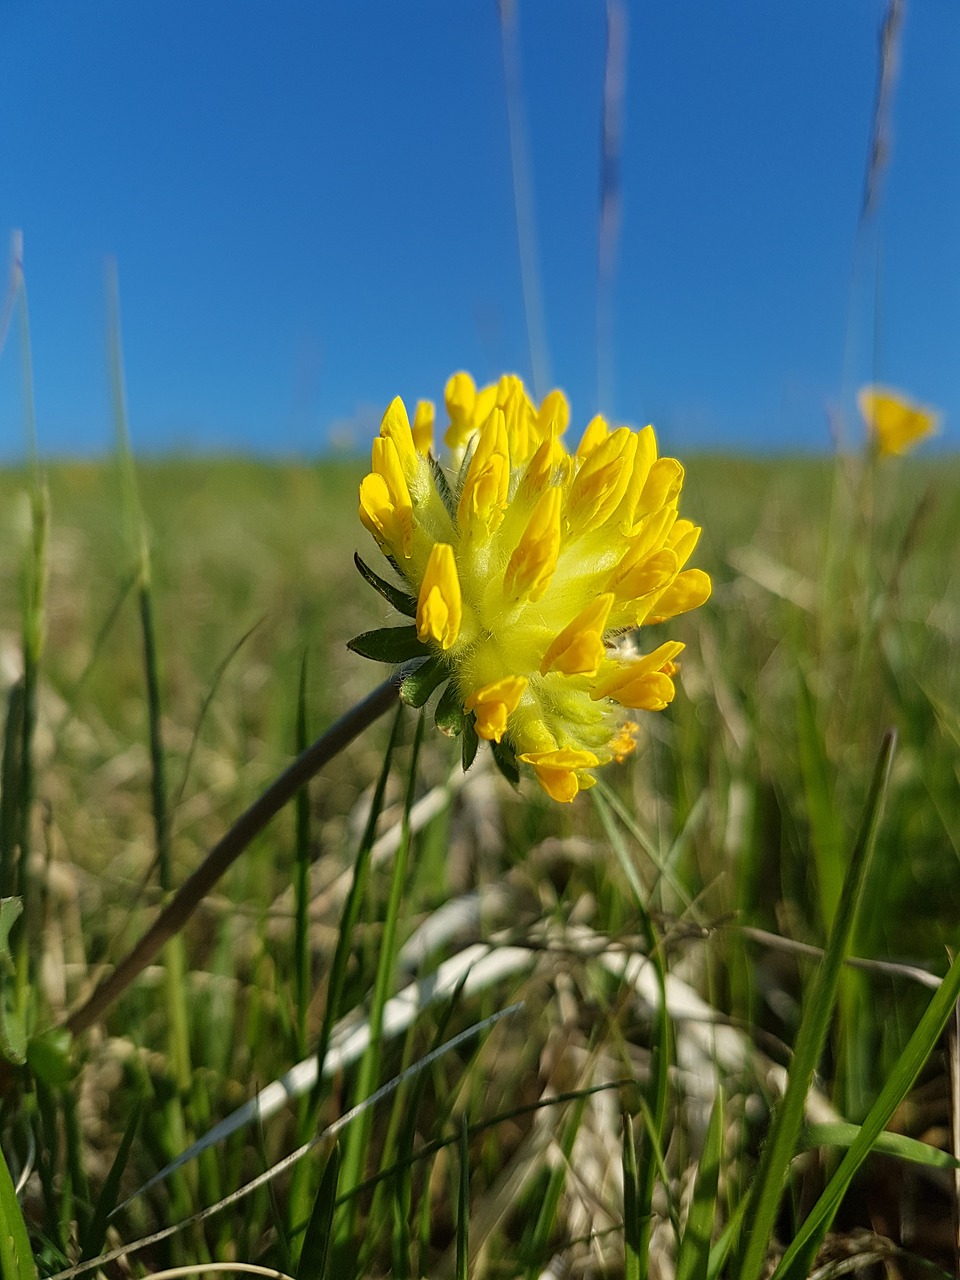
(16, 1256)
(505, 759)
(402, 601)
(897, 1145)
(389, 644)
(469, 742)
(449, 716)
(417, 687)
(316, 1240)
(693, 1255)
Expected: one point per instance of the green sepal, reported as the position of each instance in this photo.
(389, 644)
(505, 759)
(469, 742)
(443, 488)
(417, 687)
(450, 717)
(400, 600)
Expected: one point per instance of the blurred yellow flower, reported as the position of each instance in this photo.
(895, 423)
(523, 566)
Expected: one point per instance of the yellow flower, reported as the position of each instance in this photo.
(522, 566)
(895, 423)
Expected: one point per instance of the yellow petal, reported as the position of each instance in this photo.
(385, 506)
(519, 417)
(459, 396)
(579, 648)
(637, 575)
(601, 481)
(596, 432)
(487, 482)
(423, 421)
(559, 772)
(638, 682)
(553, 415)
(541, 468)
(645, 457)
(661, 488)
(683, 539)
(895, 422)
(494, 703)
(396, 427)
(534, 559)
(439, 605)
(687, 591)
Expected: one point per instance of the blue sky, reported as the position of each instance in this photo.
(312, 210)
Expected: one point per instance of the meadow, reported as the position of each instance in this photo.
(598, 1003)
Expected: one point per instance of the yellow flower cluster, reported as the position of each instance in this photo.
(523, 567)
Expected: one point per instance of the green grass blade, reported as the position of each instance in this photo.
(107, 1200)
(693, 1255)
(358, 1139)
(897, 1145)
(546, 1216)
(818, 789)
(657, 1090)
(633, 1267)
(301, 948)
(316, 1240)
(10, 790)
(799, 1255)
(463, 1205)
(16, 1256)
(818, 1006)
(351, 908)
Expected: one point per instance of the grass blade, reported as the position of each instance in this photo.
(796, 1261)
(301, 949)
(107, 1200)
(818, 1007)
(463, 1204)
(632, 1235)
(897, 1145)
(16, 1256)
(351, 908)
(693, 1255)
(359, 1137)
(316, 1240)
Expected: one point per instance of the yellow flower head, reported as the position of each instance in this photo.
(521, 564)
(895, 423)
